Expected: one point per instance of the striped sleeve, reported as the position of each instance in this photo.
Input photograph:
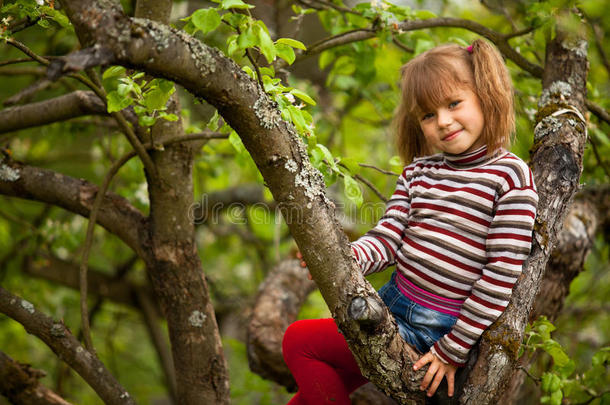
(376, 249)
(508, 245)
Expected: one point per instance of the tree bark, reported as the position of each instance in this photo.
(277, 305)
(116, 214)
(20, 384)
(60, 108)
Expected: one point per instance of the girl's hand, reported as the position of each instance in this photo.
(437, 370)
(303, 264)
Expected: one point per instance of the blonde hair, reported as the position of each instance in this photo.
(429, 78)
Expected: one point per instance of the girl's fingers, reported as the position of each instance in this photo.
(425, 359)
(429, 376)
(437, 381)
(450, 384)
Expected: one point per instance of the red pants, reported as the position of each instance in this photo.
(321, 363)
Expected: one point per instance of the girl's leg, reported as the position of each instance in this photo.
(321, 363)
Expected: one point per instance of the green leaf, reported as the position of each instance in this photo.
(248, 38)
(550, 382)
(249, 71)
(291, 42)
(352, 190)
(325, 59)
(156, 98)
(424, 14)
(238, 4)
(265, 43)
(116, 102)
(206, 19)
(113, 71)
(330, 160)
(297, 118)
(56, 16)
(285, 52)
(168, 117)
(146, 120)
(423, 45)
(303, 96)
(352, 165)
(602, 357)
(395, 161)
(344, 65)
(238, 145)
(556, 397)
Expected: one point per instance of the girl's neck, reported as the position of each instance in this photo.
(467, 160)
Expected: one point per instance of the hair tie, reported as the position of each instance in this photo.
(469, 49)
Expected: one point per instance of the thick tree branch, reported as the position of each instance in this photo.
(27, 93)
(277, 305)
(60, 108)
(65, 346)
(20, 384)
(117, 215)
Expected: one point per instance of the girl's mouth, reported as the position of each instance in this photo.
(452, 135)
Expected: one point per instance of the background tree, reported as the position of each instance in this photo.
(187, 182)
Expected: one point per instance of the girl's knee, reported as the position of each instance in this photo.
(293, 340)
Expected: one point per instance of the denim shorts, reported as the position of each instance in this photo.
(419, 326)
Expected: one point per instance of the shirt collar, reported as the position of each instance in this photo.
(478, 157)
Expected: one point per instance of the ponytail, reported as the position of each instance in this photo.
(493, 86)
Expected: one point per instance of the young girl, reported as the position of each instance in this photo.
(458, 226)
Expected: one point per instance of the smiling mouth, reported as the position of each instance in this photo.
(452, 135)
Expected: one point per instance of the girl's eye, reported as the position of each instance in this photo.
(454, 104)
(427, 116)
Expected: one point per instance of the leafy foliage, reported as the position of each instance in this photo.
(559, 384)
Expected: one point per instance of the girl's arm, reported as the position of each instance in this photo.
(376, 249)
(508, 245)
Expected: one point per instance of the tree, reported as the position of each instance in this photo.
(140, 57)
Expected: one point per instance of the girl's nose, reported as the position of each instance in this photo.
(443, 118)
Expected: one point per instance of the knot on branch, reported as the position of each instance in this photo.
(367, 311)
(80, 60)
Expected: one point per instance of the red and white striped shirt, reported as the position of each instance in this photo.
(458, 228)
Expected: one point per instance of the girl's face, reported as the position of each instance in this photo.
(454, 126)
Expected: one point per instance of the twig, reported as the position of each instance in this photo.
(22, 24)
(519, 33)
(14, 61)
(390, 173)
(401, 45)
(598, 111)
(325, 5)
(367, 183)
(533, 378)
(499, 39)
(598, 157)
